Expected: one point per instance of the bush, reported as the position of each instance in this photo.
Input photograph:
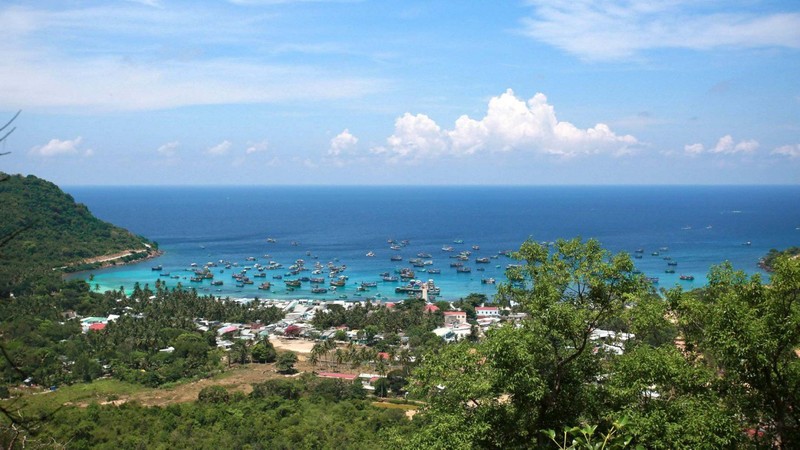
(213, 394)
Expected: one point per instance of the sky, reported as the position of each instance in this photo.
(433, 92)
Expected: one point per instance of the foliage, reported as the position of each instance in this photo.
(264, 352)
(587, 437)
(55, 232)
(520, 380)
(285, 362)
(213, 394)
(255, 423)
(768, 261)
(748, 333)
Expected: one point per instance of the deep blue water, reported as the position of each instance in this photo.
(701, 226)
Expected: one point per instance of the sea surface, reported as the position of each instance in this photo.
(695, 227)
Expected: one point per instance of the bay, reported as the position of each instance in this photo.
(698, 225)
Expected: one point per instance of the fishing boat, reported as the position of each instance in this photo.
(482, 260)
(672, 263)
(463, 270)
(396, 258)
(369, 284)
(292, 283)
(447, 248)
(424, 255)
(458, 241)
(476, 247)
(339, 282)
(390, 278)
(488, 281)
(687, 277)
(669, 271)
(370, 254)
(318, 290)
(434, 271)
(265, 286)
(216, 283)
(157, 268)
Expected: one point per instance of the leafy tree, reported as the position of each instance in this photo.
(264, 352)
(213, 394)
(286, 362)
(749, 333)
(239, 352)
(542, 374)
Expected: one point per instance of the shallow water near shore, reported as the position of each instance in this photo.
(692, 227)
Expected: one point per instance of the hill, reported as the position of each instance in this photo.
(45, 232)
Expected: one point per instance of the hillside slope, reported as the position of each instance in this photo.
(43, 229)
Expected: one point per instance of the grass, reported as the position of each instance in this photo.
(388, 405)
(98, 391)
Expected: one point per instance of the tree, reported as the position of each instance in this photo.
(264, 352)
(285, 363)
(381, 386)
(213, 394)
(239, 352)
(749, 334)
(518, 381)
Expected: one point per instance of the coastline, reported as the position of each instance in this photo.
(123, 258)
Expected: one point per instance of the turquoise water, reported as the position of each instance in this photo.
(700, 226)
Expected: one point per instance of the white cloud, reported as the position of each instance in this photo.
(220, 149)
(169, 149)
(256, 147)
(99, 69)
(614, 29)
(509, 124)
(791, 151)
(57, 147)
(694, 149)
(342, 142)
(726, 145)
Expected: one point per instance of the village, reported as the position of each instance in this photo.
(367, 354)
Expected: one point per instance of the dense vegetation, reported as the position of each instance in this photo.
(43, 228)
(712, 368)
(49, 350)
(278, 414)
(768, 261)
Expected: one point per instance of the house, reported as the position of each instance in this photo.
(454, 318)
(487, 312)
(445, 333)
(431, 308)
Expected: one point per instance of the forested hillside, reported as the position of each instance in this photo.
(44, 228)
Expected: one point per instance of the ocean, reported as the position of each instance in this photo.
(693, 226)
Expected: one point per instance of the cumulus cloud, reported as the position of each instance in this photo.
(791, 151)
(57, 147)
(257, 147)
(169, 149)
(616, 29)
(726, 145)
(220, 149)
(510, 124)
(342, 142)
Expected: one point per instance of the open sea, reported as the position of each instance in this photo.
(699, 226)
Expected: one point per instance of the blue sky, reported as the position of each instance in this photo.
(413, 92)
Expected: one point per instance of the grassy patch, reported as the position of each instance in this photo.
(388, 405)
(98, 391)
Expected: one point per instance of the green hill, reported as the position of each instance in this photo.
(45, 232)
